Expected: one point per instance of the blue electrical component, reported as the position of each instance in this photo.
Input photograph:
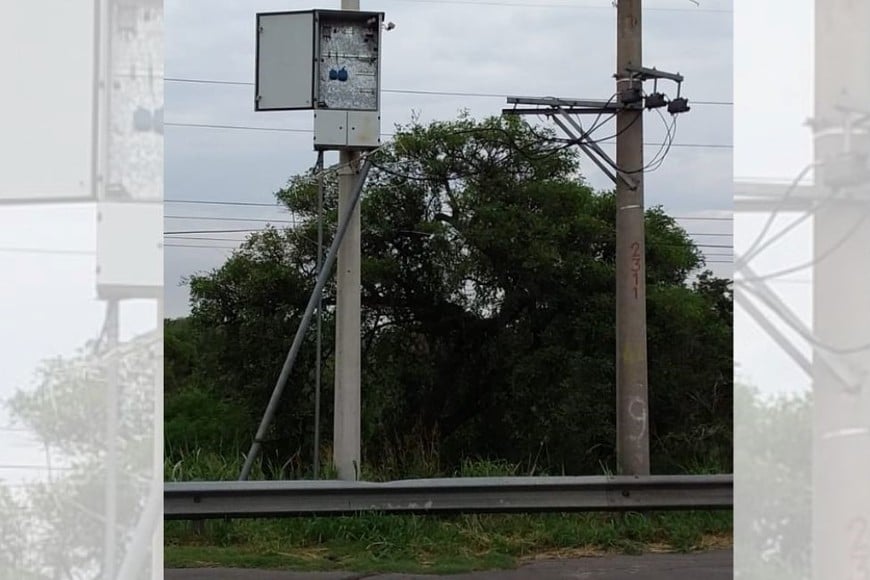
(333, 75)
(342, 75)
(142, 120)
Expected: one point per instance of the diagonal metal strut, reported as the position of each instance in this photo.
(313, 302)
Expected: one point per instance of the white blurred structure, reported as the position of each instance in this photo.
(83, 93)
(837, 205)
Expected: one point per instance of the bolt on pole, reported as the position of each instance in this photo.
(632, 411)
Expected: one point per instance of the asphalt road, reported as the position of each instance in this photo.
(706, 566)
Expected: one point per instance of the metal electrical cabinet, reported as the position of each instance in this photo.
(129, 250)
(346, 129)
(327, 60)
(285, 56)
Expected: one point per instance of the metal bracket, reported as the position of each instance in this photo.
(560, 110)
(644, 74)
(850, 383)
(553, 101)
(549, 111)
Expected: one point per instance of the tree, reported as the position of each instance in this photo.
(57, 530)
(776, 528)
(488, 283)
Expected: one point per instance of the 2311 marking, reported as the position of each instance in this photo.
(635, 267)
(860, 552)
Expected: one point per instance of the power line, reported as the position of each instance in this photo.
(254, 230)
(817, 259)
(427, 92)
(267, 221)
(207, 81)
(758, 246)
(228, 219)
(53, 251)
(44, 467)
(711, 246)
(204, 238)
(206, 247)
(568, 6)
(310, 131)
(712, 219)
(239, 203)
(188, 236)
(178, 233)
(271, 205)
(224, 247)
(198, 232)
(239, 127)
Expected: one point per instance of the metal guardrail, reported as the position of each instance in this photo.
(243, 499)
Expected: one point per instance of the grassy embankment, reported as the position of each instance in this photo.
(414, 544)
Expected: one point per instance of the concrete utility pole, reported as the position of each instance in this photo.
(632, 412)
(841, 308)
(346, 434)
(157, 475)
(110, 540)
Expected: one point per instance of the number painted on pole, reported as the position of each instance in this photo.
(635, 267)
(860, 550)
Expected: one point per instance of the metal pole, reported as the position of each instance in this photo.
(632, 411)
(318, 363)
(111, 462)
(148, 531)
(841, 308)
(147, 528)
(343, 226)
(157, 475)
(346, 422)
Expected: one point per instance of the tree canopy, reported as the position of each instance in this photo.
(488, 316)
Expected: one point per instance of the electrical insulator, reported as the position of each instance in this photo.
(677, 106)
(656, 101)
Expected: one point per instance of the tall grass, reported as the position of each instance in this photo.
(407, 543)
(181, 464)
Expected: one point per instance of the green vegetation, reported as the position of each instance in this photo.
(783, 520)
(414, 544)
(417, 544)
(54, 527)
(488, 301)
(488, 348)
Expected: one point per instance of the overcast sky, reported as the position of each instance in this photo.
(562, 49)
(773, 143)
